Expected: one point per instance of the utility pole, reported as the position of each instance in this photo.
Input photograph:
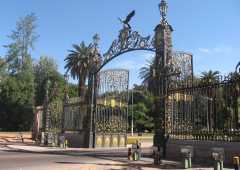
(47, 113)
(132, 116)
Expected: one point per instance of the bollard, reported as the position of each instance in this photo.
(218, 157)
(187, 162)
(135, 155)
(187, 152)
(62, 141)
(156, 155)
(129, 154)
(138, 150)
(66, 144)
(236, 163)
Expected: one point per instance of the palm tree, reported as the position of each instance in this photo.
(77, 62)
(147, 75)
(209, 77)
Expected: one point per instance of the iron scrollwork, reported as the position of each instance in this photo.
(128, 41)
(181, 62)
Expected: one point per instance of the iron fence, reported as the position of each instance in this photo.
(205, 111)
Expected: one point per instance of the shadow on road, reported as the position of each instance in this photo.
(126, 164)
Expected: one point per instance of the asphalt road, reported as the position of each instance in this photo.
(16, 160)
(11, 160)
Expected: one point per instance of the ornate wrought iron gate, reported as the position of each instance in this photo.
(111, 110)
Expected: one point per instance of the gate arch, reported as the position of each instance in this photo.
(132, 42)
(127, 41)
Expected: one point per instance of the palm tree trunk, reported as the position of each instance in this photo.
(81, 88)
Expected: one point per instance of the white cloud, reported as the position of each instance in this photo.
(148, 56)
(222, 50)
(204, 50)
(131, 65)
(215, 50)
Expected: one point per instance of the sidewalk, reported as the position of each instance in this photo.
(44, 149)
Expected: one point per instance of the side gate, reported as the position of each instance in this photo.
(110, 118)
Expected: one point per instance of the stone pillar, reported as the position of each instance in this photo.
(163, 45)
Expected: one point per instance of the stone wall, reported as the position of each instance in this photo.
(26, 135)
(202, 150)
(76, 139)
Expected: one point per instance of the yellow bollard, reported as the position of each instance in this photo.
(66, 143)
(129, 154)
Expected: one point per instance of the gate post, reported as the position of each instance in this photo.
(163, 45)
(92, 85)
(92, 104)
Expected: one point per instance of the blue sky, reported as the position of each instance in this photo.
(209, 29)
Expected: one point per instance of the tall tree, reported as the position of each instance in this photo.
(141, 107)
(44, 69)
(17, 100)
(23, 38)
(78, 63)
(17, 90)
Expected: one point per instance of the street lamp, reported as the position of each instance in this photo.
(47, 112)
(66, 78)
(65, 100)
(132, 109)
(132, 116)
(96, 39)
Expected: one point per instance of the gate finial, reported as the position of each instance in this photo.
(163, 7)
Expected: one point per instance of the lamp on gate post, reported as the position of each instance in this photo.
(96, 39)
(163, 7)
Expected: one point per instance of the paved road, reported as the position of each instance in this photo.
(16, 160)
(10, 160)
